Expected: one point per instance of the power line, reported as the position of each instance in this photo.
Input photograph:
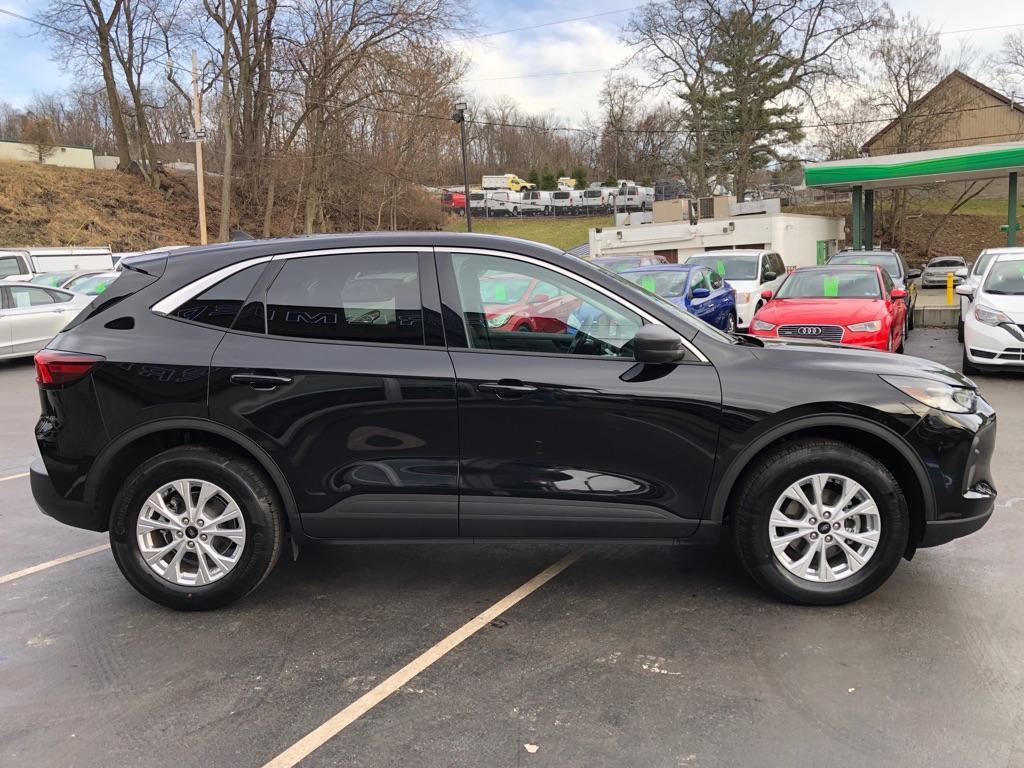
(550, 23)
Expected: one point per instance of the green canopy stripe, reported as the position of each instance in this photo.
(1007, 158)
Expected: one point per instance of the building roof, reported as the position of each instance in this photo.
(908, 169)
(956, 74)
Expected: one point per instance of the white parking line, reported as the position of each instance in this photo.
(51, 563)
(318, 737)
(13, 477)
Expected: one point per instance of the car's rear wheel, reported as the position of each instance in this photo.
(193, 528)
(820, 522)
(730, 323)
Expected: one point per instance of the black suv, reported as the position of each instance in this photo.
(216, 402)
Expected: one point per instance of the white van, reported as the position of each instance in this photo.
(567, 202)
(25, 263)
(535, 202)
(632, 197)
(595, 200)
(503, 203)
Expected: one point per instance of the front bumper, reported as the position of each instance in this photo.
(993, 345)
(956, 450)
(938, 281)
(70, 512)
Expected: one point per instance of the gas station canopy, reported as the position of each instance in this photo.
(983, 161)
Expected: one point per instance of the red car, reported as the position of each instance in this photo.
(520, 303)
(454, 202)
(848, 304)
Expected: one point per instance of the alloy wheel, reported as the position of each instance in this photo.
(824, 528)
(190, 532)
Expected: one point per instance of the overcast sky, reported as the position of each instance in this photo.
(500, 63)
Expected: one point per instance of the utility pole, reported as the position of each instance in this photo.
(459, 116)
(198, 136)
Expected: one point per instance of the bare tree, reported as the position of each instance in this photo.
(36, 131)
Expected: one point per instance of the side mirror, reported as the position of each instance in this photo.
(965, 290)
(657, 344)
(767, 277)
(962, 272)
(539, 298)
(766, 295)
(898, 293)
(700, 293)
(913, 274)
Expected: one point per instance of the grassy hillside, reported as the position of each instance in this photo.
(43, 205)
(563, 232)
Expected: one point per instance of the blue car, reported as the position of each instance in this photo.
(699, 290)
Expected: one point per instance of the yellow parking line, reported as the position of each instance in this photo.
(13, 477)
(51, 563)
(319, 736)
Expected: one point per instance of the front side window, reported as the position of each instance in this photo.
(219, 305)
(372, 297)
(716, 281)
(511, 305)
(9, 265)
(23, 296)
(700, 280)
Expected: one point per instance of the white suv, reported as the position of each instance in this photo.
(748, 272)
(994, 327)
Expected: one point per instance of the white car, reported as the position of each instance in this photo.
(972, 277)
(31, 315)
(994, 328)
(748, 272)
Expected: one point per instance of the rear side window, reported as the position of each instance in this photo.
(59, 296)
(29, 296)
(372, 297)
(219, 305)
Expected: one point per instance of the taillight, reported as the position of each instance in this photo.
(55, 368)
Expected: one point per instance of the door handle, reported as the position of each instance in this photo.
(506, 387)
(260, 381)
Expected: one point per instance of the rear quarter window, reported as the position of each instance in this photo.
(218, 306)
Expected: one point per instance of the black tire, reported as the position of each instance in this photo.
(968, 368)
(960, 330)
(523, 328)
(730, 323)
(244, 482)
(910, 318)
(765, 482)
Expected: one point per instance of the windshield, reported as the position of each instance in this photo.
(504, 289)
(93, 286)
(831, 284)
(53, 279)
(1006, 278)
(886, 260)
(731, 266)
(617, 265)
(946, 262)
(662, 282)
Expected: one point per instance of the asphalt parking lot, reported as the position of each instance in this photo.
(630, 656)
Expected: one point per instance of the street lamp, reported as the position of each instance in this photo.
(459, 116)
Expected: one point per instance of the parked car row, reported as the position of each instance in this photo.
(562, 202)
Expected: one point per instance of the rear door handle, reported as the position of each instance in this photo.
(260, 381)
(507, 387)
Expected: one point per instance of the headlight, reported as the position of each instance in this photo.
(496, 321)
(990, 316)
(743, 298)
(870, 325)
(936, 394)
(761, 325)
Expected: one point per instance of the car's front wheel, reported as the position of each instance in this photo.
(193, 528)
(820, 522)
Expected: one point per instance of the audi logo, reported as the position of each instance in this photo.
(809, 330)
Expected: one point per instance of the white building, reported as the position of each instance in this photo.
(69, 157)
(802, 240)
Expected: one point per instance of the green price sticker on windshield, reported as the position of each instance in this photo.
(500, 294)
(720, 267)
(648, 283)
(830, 287)
(101, 288)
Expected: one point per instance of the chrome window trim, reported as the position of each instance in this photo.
(170, 303)
(579, 279)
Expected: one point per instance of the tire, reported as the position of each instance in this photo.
(968, 368)
(730, 323)
(523, 328)
(238, 480)
(515, 211)
(910, 318)
(762, 488)
(960, 330)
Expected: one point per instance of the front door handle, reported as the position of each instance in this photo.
(260, 381)
(506, 387)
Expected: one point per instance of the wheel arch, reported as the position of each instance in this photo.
(874, 439)
(129, 449)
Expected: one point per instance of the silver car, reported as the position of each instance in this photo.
(936, 270)
(31, 315)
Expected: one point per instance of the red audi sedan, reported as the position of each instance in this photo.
(849, 304)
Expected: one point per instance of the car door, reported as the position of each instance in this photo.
(35, 316)
(564, 434)
(702, 308)
(336, 366)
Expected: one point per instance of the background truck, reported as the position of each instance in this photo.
(506, 181)
(26, 263)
